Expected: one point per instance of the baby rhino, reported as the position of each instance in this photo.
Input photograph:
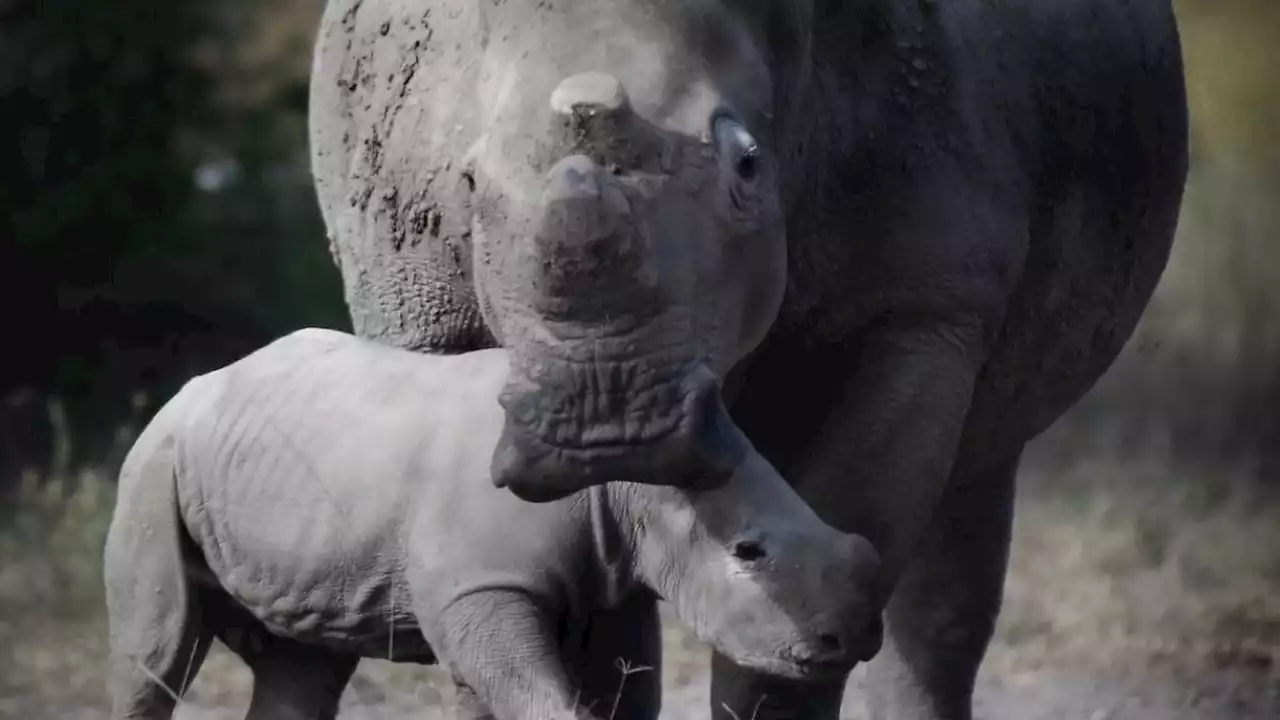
(327, 498)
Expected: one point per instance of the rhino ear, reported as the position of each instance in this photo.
(610, 551)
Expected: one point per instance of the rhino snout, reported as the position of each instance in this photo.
(827, 654)
(693, 444)
(842, 623)
(860, 622)
(590, 263)
(580, 207)
(837, 651)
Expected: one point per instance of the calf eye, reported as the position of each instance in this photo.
(748, 551)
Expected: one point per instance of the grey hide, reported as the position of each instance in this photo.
(327, 498)
(898, 237)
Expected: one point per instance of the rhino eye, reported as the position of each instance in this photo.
(736, 143)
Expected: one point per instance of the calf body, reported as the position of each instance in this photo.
(327, 498)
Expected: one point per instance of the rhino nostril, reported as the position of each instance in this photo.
(749, 550)
(830, 643)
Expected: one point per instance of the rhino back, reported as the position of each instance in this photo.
(296, 468)
(391, 118)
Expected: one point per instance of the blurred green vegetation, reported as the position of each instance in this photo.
(157, 217)
(1201, 378)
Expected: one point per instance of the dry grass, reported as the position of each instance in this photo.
(1118, 571)
(1138, 568)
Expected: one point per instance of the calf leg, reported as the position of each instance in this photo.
(503, 647)
(619, 669)
(157, 636)
(157, 647)
(293, 681)
(628, 637)
(943, 612)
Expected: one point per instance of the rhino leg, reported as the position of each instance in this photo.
(619, 670)
(942, 614)
(157, 650)
(293, 681)
(630, 634)
(157, 636)
(939, 621)
(503, 647)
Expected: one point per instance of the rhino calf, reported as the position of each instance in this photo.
(327, 498)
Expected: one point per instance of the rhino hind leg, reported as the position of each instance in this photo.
(157, 647)
(175, 647)
(943, 612)
(291, 680)
(157, 636)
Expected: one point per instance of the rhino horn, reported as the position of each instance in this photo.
(593, 114)
(590, 94)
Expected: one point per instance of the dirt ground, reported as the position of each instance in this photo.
(1157, 602)
(381, 691)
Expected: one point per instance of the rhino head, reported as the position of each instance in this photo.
(753, 572)
(628, 236)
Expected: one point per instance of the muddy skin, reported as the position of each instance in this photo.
(612, 222)
(952, 220)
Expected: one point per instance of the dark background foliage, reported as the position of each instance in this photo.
(156, 212)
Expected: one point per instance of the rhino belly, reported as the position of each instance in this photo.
(309, 577)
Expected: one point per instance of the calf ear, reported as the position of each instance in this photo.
(608, 548)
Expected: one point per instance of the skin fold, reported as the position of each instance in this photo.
(326, 499)
(927, 231)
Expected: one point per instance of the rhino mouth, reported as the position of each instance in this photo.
(795, 668)
(578, 425)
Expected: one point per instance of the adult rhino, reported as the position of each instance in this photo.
(907, 235)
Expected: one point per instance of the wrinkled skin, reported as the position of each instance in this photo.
(978, 200)
(324, 499)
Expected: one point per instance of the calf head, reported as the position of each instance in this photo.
(629, 243)
(754, 573)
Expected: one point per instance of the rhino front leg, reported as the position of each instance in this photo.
(878, 467)
(504, 656)
(943, 613)
(620, 668)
